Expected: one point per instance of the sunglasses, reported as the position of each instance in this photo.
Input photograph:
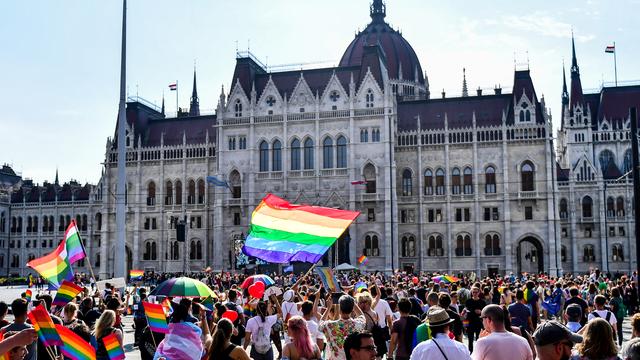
(371, 348)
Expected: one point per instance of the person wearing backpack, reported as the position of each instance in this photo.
(258, 331)
(619, 309)
(600, 312)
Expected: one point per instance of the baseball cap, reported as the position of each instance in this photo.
(552, 332)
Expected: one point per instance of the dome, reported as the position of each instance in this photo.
(398, 52)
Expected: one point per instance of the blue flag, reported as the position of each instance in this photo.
(217, 182)
(288, 269)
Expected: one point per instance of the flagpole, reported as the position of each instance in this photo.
(85, 253)
(177, 108)
(615, 63)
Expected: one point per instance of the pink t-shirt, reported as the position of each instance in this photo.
(502, 345)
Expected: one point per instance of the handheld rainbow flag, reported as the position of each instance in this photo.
(528, 295)
(75, 249)
(43, 325)
(208, 303)
(329, 280)
(113, 347)
(27, 295)
(54, 267)
(360, 286)
(136, 275)
(281, 232)
(363, 260)
(66, 293)
(166, 305)
(156, 317)
(73, 346)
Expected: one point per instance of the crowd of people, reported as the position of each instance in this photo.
(375, 316)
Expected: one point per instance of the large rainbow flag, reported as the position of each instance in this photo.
(54, 267)
(43, 325)
(156, 317)
(73, 346)
(281, 232)
(75, 249)
(67, 292)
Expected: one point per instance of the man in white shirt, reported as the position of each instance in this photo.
(601, 312)
(440, 346)
(499, 344)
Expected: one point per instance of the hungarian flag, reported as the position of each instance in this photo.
(75, 248)
(359, 182)
(610, 49)
(173, 86)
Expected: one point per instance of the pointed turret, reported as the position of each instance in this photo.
(565, 93)
(576, 96)
(378, 11)
(465, 90)
(162, 109)
(56, 181)
(194, 108)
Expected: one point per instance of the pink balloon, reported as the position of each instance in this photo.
(257, 290)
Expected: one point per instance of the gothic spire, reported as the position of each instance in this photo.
(194, 109)
(378, 11)
(574, 60)
(576, 96)
(56, 181)
(565, 93)
(465, 90)
(162, 110)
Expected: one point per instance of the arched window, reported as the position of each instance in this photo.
(97, 260)
(428, 182)
(98, 221)
(341, 149)
(84, 223)
(51, 223)
(492, 245)
(468, 180)
(327, 153)
(154, 251)
(463, 245)
(168, 193)
(29, 224)
(264, 156)
(369, 98)
(201, 191)
(407, 183)
(147, 251)
(563, 253)
(371, 245)
(178, 192)
(364, 135)
(587, 207)
(369, 173)
(606, 157)
(589, 253)
(521, 115)
(439, 182)
(490, 180)
(527, 176)
(564, 213)
(628, 162)
(408, 246)
(45, 223)
(35, 224)
(617, 253)
(277, 156)
(455, 181)
(435, 246)
(192, 252)
(67, 221)
(295, 154)
(175, 251)
(191, 192)
(238, 108)
(620, 206)
(61, 223)
(236, 184)
(151, 193)
(308, 154)
(527, 115)
(611, 211)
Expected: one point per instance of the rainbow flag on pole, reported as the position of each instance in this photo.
(328, 279)
(43, 325)
(75, 249)
(281, 232)
(75, 347)
(66, 293)
(363, 260)
(27, 295)
(113, 347)
(55, 266)
(136, 275)
(155, 315)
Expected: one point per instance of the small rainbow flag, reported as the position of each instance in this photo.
(66, 293)
(30, 280)
(136, 275)
(166, 305)
(75, 249)
(328, 279)
(43, 325)
(363, 260)
(113, 347)
(75, 347)
(208, 303)
(156, 317)
(360, 286)
(528, 295)
(55, 266)
(27, 295)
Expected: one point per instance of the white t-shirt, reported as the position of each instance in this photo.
(289, 308)
(603, 314)
(255, 322)
(502, 345)
(383, 310)
(313, 330)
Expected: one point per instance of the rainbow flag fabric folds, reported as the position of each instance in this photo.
(281, 232)
(27, 295)
(136, 275)
(328, 279)
(156, 317)
(113, 347)
(166, 306)
(75, 249)
(55, 266)
(43, 325)
(363, 260)
(66, 293)
(73, 346)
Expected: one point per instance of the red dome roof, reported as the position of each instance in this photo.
(398, 52)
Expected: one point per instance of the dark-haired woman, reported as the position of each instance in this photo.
(258, 330)
(221, 347)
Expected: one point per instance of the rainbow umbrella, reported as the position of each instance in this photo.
(360, 286)
(185, 287)
(445, 278)
(268, 281)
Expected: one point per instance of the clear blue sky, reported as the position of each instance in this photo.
(60, 59)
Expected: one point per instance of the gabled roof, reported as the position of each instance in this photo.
(612, 104)
(612, 171)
